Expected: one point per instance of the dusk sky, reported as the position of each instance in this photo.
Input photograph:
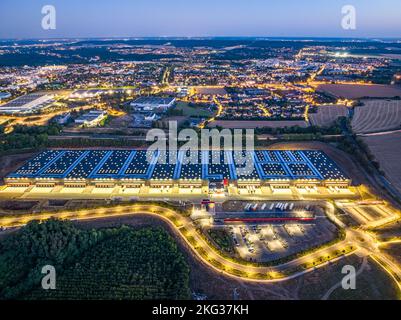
(147, 18)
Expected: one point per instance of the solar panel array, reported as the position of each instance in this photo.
(23, 100)
(204, 165)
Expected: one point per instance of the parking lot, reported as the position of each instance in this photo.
(268, 242)
(367, 213)
(269, 208)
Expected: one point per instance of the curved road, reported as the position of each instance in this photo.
(205, 252)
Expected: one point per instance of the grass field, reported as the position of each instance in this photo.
(190, 111)
(371, 283)
(222, 239)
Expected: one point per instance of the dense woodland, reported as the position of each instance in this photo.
(27, 137)
(119, 263)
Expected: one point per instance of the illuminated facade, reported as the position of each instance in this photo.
(139, 171)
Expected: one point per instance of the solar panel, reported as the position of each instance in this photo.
(209, 165)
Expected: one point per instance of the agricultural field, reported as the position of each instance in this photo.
(355, 91)
(385, 148)
(114, 263)
(327, 115)
(377, 116)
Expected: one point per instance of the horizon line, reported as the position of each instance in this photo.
(200, 38)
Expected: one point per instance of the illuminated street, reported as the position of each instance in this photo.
(354, 242)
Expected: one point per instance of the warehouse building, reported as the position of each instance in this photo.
(152, 103)
(202, 172)
(27, 104)
(92, 118)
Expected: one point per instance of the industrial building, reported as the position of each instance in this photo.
(152, 103)
(27, 104)
(94, 93)
(63, 118)
(92, 118)
(200, 172)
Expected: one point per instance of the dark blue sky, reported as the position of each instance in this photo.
(141, 18)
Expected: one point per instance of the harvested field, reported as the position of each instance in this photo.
(229, 124)
(355, 91)
(386, 149)
(327, 115)
(377, 115)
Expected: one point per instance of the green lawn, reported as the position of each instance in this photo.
(222, 239)
(189, 111)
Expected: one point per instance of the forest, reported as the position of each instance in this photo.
(116, 263)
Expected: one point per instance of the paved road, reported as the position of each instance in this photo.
(360, 240)
(185, 228)
(382, 133)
